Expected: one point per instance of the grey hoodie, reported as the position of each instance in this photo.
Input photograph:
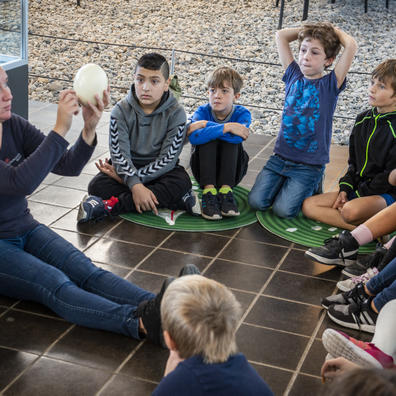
(143, 146)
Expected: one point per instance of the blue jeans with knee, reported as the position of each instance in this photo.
(383, 285)
(41, 266)
(284, 185)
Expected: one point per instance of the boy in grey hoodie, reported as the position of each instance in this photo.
(147, 132)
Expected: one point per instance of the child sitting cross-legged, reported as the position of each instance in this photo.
(199, 319)
(217, 131)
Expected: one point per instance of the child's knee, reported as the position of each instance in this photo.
(349, 213)
(256, 202)
(285, 211)
(307, 205)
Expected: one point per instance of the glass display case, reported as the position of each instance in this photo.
(14, 50)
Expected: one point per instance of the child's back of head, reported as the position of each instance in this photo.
(201, 317)
(225, 74)
(325, 33)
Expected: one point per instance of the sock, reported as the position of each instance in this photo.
(225, 190)
(109, 203)
(362, 234)
(212, 190)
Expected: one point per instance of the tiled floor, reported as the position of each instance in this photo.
(41, 354)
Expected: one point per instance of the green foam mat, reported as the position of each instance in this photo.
(303, 231)
(181, 221)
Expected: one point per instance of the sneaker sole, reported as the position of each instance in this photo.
(338, 262)
(82, 214)
(215, 217)
(353, 274)
(339, 346)
(230, 214)
(342, 287)
(355, 326)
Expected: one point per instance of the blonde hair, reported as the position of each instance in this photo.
(217, 78)
(201, 317)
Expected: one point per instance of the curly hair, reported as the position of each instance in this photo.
(325, 33)
(386, 72)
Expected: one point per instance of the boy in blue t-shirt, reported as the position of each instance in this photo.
(295, 170)
(217, 131)
(200, 317)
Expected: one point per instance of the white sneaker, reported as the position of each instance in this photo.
(350, 283)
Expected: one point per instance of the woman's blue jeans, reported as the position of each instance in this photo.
(41, 266)
(284, 185)
(383, 285)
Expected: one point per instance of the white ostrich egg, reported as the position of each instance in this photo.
(90, 80)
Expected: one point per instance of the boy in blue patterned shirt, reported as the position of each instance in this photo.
(217, 131)
(295, 170)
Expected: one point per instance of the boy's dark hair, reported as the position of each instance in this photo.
(363, 382)
(386, 72)
(325, 33)
(222, 74)
(154, 61)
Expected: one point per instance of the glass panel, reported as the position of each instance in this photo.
(10, 30)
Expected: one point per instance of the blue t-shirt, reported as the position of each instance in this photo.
(307, 119)
(215, 127)
(193, 377)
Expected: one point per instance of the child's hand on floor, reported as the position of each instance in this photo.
(173, 360)
(144, 199)
(340, 201)
(334, 367)
(108, 169)
(237, 129)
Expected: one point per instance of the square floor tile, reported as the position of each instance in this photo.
(299, 288)
(78, 183)
(94, 348)
(170, 263)
(130, 232)
(253, 253)
(122, 385)
(61, 196)
(34, 307)
(315, 359)
(42, 332)
(7, 301)
(284, 315)
(256, 232)
(51, 377)
(12, 363)
(306, 385)
(238, 276)
(125, 254)
(147, 363)
(297, 263)
(274, 347)
(147, 281)
(197, 243)
(45, 213)
(275, 378)
(78, 240)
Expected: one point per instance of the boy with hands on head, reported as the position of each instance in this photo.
(295, 170)
(199, 318)
(218, 160)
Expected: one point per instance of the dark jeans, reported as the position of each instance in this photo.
(41, 266)
(219, 163)
(168, 189)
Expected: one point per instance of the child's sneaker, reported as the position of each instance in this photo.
(357, 294)
(364, 354)
(91, 208)
(150, 312)
(191, 203)
(357, 315)
(338, 250)
(210, 207)
(368, 261)
(228, 205)
(349, 284)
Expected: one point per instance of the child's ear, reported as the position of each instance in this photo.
(167, 83)
(169, 341)
(237, 96)
(329, 62)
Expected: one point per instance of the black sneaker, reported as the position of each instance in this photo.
(91, 208)
(191, 203)
(357, 294)
(189, 269)
(339, 250)
(364, 263)
(228, 205)
(150, 312)
(210, 207)
(357, 315)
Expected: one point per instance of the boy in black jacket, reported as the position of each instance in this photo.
(364, 190)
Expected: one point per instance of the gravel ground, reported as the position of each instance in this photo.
(199, 31)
